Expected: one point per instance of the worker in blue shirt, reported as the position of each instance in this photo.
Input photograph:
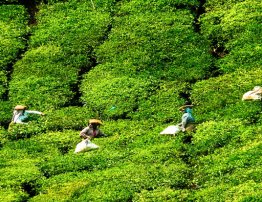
(187, 116)
(21, 115)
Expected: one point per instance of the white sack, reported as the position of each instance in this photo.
(250, 95)
(171, 130)
(85, 145)
(255, 94)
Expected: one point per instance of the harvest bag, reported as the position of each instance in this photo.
(85, 145)
(171, 130)
(255, 94)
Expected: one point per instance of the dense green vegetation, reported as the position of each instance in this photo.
(131, 63)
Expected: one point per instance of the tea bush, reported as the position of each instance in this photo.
(68, 118)
(13, 27)
(115, 97)
(81, 28)
(5, 113)
(222, 133)
(9, 195)
(123, 182)
(236, 29)
(162, 194)
(101, 5)
(173, 52)
(136, 62)
(50, 90)
(21, 131)
(232, 168)
(220, 98)
(248, 191)
(19, 173)
(52, 65)
(163, 105)
(139, 6)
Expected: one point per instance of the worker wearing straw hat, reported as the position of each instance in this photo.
(21, 115)
(92, 130)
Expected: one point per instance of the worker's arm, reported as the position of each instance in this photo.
(34, 112)
(83, 133)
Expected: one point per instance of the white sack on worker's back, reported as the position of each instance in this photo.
(85, 145)
(171, 130)
(255, 94)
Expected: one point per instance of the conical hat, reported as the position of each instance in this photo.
(20, 107)
(95, 121)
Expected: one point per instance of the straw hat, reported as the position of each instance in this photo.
(95, 121)
(20, 107)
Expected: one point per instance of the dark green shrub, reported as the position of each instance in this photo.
(3, 83)
(5, 113)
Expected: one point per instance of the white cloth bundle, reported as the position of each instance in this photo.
(255, 94)
(85, 145)
(171, 130)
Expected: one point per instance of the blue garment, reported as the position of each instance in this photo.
(190, 117)
(187, 117)
(24, 117)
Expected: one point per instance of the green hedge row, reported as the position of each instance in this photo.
(115, 97)
(232, 171)
(52, 156)
(235, 26)
(221, 98)
(60, 48)
(160, 44)
(138, 6)
(13, 25)
(142, 64)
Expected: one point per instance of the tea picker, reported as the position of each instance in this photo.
(88, 133)
(21, 114)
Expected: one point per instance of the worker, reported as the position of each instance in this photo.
(21, 115)
(92, 130)
(187, 116)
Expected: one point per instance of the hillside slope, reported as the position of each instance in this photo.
(132, 64)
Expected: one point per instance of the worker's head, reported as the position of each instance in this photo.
(20, 108)
(94, 123)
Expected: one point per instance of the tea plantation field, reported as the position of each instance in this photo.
(132, 64)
